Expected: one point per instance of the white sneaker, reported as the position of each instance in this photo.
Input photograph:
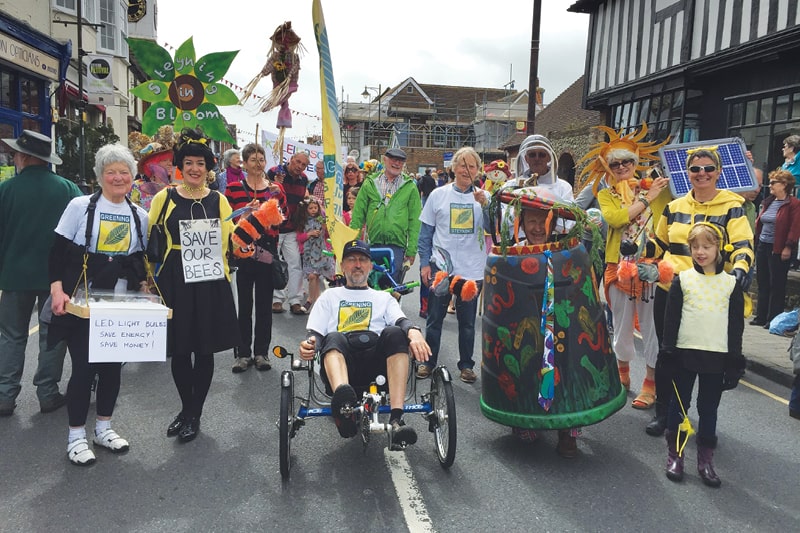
(79, 453)
(109, 440)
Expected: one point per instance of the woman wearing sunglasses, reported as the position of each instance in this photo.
(631, 206)
(703, 203)
(351, 179)
(777, 232)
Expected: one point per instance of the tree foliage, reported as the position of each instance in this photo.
(67, 136)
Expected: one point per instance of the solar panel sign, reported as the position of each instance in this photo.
(737, 171)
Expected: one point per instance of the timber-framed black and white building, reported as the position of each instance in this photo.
(697, 69)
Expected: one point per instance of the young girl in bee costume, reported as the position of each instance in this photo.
(702, 299)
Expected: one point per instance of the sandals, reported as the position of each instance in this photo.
(645, 400)
(109, 440)
(79, 453)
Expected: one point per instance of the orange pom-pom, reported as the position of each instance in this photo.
(453, 283)
(469, 291)
(626, 271)
(666, 271)
(440, 275)
(243, 252)
(269, 213)
(248, 227)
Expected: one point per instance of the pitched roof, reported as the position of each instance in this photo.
(566, 113)
(451, 102)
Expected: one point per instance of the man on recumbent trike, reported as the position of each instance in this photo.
(362, 333)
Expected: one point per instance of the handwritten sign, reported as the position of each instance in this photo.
(201, 250)
(127, 332)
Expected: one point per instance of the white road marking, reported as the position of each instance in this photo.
(764, 392)
(405, 486)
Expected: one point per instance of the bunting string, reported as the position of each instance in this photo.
(240, 90)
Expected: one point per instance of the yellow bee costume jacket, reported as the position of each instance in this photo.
(725, 211)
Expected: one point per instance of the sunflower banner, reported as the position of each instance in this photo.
(183, 92)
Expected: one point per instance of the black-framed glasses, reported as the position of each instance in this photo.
(617, 164)
(697, 168)
(536, 155)
(773, 182)
(351, 169)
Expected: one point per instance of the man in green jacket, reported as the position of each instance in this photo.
(388, 204)
(31, 204)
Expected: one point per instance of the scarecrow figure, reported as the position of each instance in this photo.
(497, 173)
(283, 66)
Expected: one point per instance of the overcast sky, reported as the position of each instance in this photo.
(442, 42)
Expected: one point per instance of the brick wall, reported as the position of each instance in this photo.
(425, 157)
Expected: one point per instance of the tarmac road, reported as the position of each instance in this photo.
(228, 479)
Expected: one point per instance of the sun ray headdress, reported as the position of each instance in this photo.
(646, 153)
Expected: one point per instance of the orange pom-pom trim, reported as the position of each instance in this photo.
(627, 271)
(440, 275)
(666, 271)
(269, 213)
(469, 291)
(453, 281)
(243, 251)
(248, 228)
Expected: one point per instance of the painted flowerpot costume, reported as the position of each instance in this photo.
(547, 360)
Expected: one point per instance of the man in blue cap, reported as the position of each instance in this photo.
(31, 204)
(361, 333)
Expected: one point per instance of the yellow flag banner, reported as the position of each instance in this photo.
(331, 139)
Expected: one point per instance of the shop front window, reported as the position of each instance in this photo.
(737, 114)
(661, 112)
(782, 107)
(9, 95)
(766, 110)
(6, 154)
(29, 91)
(750, 114)
(796, 106)
(767, 120)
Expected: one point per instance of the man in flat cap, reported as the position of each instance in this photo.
(388, 204)
(31, 204)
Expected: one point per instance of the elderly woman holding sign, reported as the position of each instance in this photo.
(104, 232)
(194, 279)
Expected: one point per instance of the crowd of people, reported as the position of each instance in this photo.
(663, 257)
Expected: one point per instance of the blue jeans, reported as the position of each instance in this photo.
(465, 314)
(709, 393)
(15, 317)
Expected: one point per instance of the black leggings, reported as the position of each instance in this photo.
(192, 381)
(79, 390)
(664, 390)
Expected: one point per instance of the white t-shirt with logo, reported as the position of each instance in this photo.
(342, 309)
(113, 230)
(457, 220)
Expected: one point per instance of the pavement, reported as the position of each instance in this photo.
(767, 354)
